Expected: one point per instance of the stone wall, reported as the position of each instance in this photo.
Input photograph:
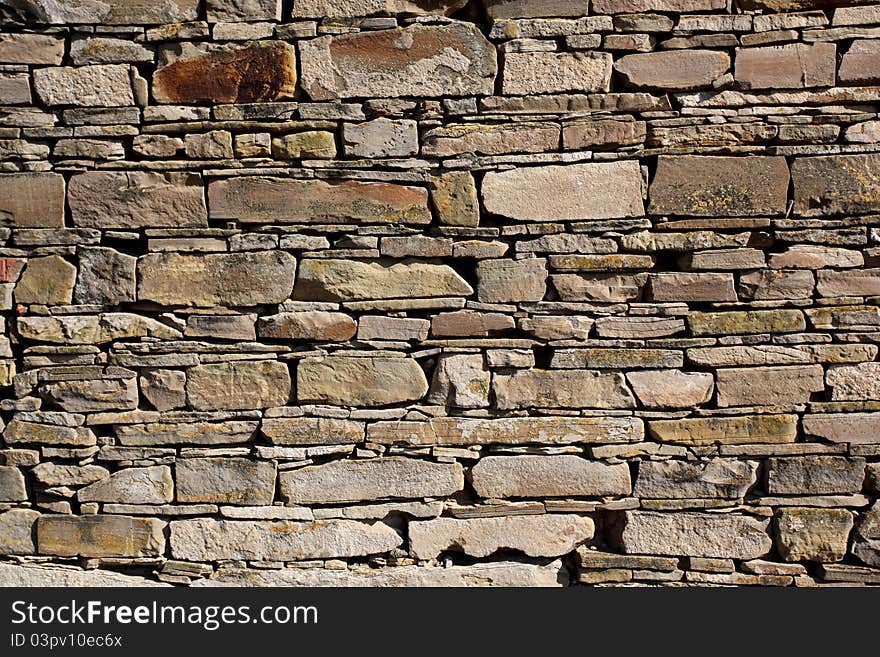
(514, 292)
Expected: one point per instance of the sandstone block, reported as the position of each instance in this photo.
(859, 64)
(725, 478)
(100, 536)
(804, 534)
(314, 144)
(381, 137)
(164, 389)
(238, 384)
(768, 386)
(852, 283)
(346, 481)
(548, 476)
(32, 200)
(492, 139)
(504, 281)
(674, 70)
(108, 394)
(47, 280)
(455, 199)
(103, 85)
(106, 276)
(601, 190)
(45, 49)
(359, 8)
(150, 485)
(225, 481)
(12, 488)
(748, 429)
(18, 432)
(776, 284)
(92, 329)
(378, 327)
(790, 66)
(355, 381)
(746, 321)
(460, 381)
(311, 431)
(186, 433)
(561, 389)
(239, 10)
(856, 428)
(310, 325)
(815, 475)
(854, 382)
(420, 60)
(550, 535)
(118, 12)
(637, 6)
(16, 533)
(603, 287)
(471, 323)
(230, 279)
(671, 388)
(687, 287)
(836, 184)
(528, 73)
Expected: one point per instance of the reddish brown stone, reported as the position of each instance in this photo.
(861, 63)
(673, 70)
(836, 184)
(252, 73)
(792, 66)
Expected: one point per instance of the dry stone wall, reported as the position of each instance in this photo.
(437, 292)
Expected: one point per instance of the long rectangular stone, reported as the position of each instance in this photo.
(370, 479)
(601, 190)
(718, 186)
(789, 66)
(32, 200)
(220, 480)
(561, 389)
(721, 430)
(118, 12)
(548, 476)
(452, 431)
(850, 283)
(768, 386)
(259, 199)
(836, 184)
(724, 478)
(311, 431)
(855, 428)
(357, 381)
(102, 85)
(638, 6)
(815, 475)
(186, 433)
(100, 536)
(244, 384)
(529, 73)
(741, 322)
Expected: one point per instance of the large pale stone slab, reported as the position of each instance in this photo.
(137, 199)
(420, 60)
(815, 475)
(359, 8)
(230, 279)
(691, 287)
(257, 199)
(806, 534)
(854, 382)
(350, 280)
(118, 12)
(102, 85)
(768, 386)
(528, 73)
(747, 429)
(460, 381)
(741, 322)
(371, 479)
(508, 431)
(16, 534)
(244, 10)
(92, 329)
(548, 476)
(18, 432)
(506, 281)
(225, 481)
(562, 389)
(311, 431)
(859, 64)
(727, 536)
(491, 139)
(256, 72)
(704, 185)
(836, 184)
(637, 6)
(496, 573)
(31, 49)
(32, 200)
(851, 283)
(207, 539)
(63, 576)
(600, 190)
(360, 381)
(672, 70)
(790, 66)
(108, 394)
(856, 428)
(671, 388)
(550, 535)
(316, 325)
(798, 354)
(100, 536)
(150, 485)
(725, 478)
(188, 433)
(243, 384)
(48, 280)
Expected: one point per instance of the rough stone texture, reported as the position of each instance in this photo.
(695, 535)
(225, 481)
(374, 479)
(312, 325)
(561, 389)
(32, 200)
(768, 386)
(791, 66)
(804, 534)
(725, 478)
(460, 381)
(836, 184)
(360, 381)
(503, 281)
(673, 70)
(546, 72)
(86, 86)
(151, 485)
(17, 533)
(548, 476)
(814, 475)
(859, 64)
(12, 487)
(536, 536)
(100, 536)
(234, 279)
(671, 388)
(421, 60)
(243, 384)
(106, 276)
(48, 281)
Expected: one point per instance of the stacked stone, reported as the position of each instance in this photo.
(436, 292)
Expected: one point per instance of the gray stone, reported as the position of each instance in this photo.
(561, 389)
(109, 394)
(346, 481)
(106, 276)
(548, 476)
(225, 481)
(381, 138)
(725, 478)
(62, 576)
(17, 534)
(238, 385)
(12, 488)
(359, 381)
(150, 485)
(815, 475)
(92, 329)
(118, 12)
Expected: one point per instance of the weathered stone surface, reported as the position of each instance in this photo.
(460, 381)
(93, 394)
(373, 327)
(225, 481)
(695, 534)
(420, 60)
(493, 139)
(164, 389)
(252, 73)
(31, 49)
(548, 476)
(635, 6)
(107, 85)
(768, 386)
(856, 428)
(189, 433)
(92, 329)
(746, 321)
(372, 479)
(151, 485)
(676, 70)
(799, 354)
(207, 539)
(53, 474)
(853, 382)
(702, 185)
(815, 475)
(18, 432)
(836, 184)
(509, 431)
(12, 488)
(100, 536)
(530, 73)
(357, 381)
(311, 325)
(602, 190)
(561, 389)
(63, 576)
(455, 199)
(119, 12)
(671, 388)
(603, 287)
(381, 138)
(804, 534)
(137, 199)
(775, 429)
(496, 573)
(287, 200)
(358, 8)
(554, 327)
(105, 277)
(675, 286)
(726, 478)
(602, 134)
(17, 533)
(243, 10)
(238, 384)
(621, 358)
(790, 66)
(32, 200)
(776, 284)
(859, 64)
(47, 280)
(549, 535)
(854, 282)
(231, 279)
(470, 323)
(504, 281)
(348, 280)
(316, 144)
(311, 431)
